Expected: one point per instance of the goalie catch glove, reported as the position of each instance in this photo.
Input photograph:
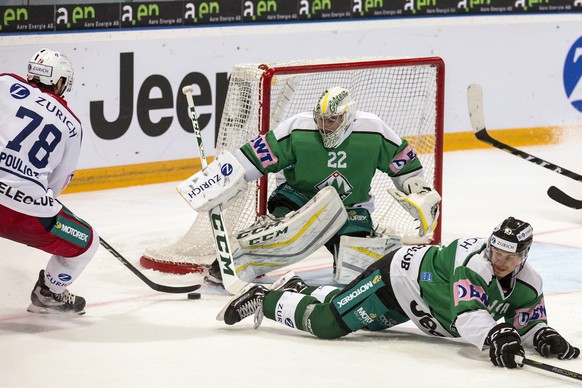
(504, 344)
(549, 343)
(420, 201)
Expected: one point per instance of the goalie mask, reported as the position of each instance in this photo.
(334, 113)
(47, 67)
(514, 237)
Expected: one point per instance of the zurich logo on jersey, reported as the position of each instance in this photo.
(573, 75)
(19, 92)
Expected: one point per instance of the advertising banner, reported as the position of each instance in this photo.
(127, 88)
(123, 15)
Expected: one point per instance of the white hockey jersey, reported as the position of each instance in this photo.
(40, 143)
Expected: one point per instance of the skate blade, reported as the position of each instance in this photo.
(220, 316)
(281, 281)
(45, 310)
(212, 281)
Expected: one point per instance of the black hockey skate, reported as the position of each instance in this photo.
(214, 277)
(295, 284)
(247, 302)
(44, 301)
(289, 282)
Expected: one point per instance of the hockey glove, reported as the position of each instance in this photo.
(504, 344)
(420, 201)
(220, 183)
(549, 343)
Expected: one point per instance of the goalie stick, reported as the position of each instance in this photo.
(139, 274)
(477, 116)
(230, 279)
(546, 367)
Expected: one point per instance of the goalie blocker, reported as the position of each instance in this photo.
(217, 184)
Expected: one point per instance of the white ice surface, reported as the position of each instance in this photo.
(132, 336)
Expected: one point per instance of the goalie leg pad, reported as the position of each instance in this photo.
(280, 242)
(355, 254)
(216, 185)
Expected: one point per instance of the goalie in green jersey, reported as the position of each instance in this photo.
(333, 146)
(459, 290)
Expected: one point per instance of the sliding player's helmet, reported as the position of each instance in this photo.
(47, 67)
(513, 236)
(334, 113)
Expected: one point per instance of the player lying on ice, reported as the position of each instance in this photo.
(333, 146)
(458, 290)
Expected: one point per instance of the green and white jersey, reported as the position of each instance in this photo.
(451, 291)
(295, 148)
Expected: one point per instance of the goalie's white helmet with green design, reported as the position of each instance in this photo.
(334, 113)
(47, 67)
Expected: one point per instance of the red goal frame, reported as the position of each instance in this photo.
(265, 112)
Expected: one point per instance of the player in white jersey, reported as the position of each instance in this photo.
(40, 142)
(459, 290)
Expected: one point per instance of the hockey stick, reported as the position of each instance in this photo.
(477, 116)
(151, 284)
(230, 279)
(137, 272)
(563, 198)
(546, 367)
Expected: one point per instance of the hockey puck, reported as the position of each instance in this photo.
(194, 295)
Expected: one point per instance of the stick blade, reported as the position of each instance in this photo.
(475, 105)
(563, 198)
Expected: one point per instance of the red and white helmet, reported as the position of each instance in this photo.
(47, 67)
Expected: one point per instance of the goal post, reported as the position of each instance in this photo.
(406, 93)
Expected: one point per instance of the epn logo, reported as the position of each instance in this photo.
(573, 75)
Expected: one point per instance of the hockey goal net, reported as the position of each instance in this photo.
(407, 93)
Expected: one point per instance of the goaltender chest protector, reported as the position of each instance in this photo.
(349, 168)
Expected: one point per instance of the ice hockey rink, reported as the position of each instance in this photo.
(132, 336)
